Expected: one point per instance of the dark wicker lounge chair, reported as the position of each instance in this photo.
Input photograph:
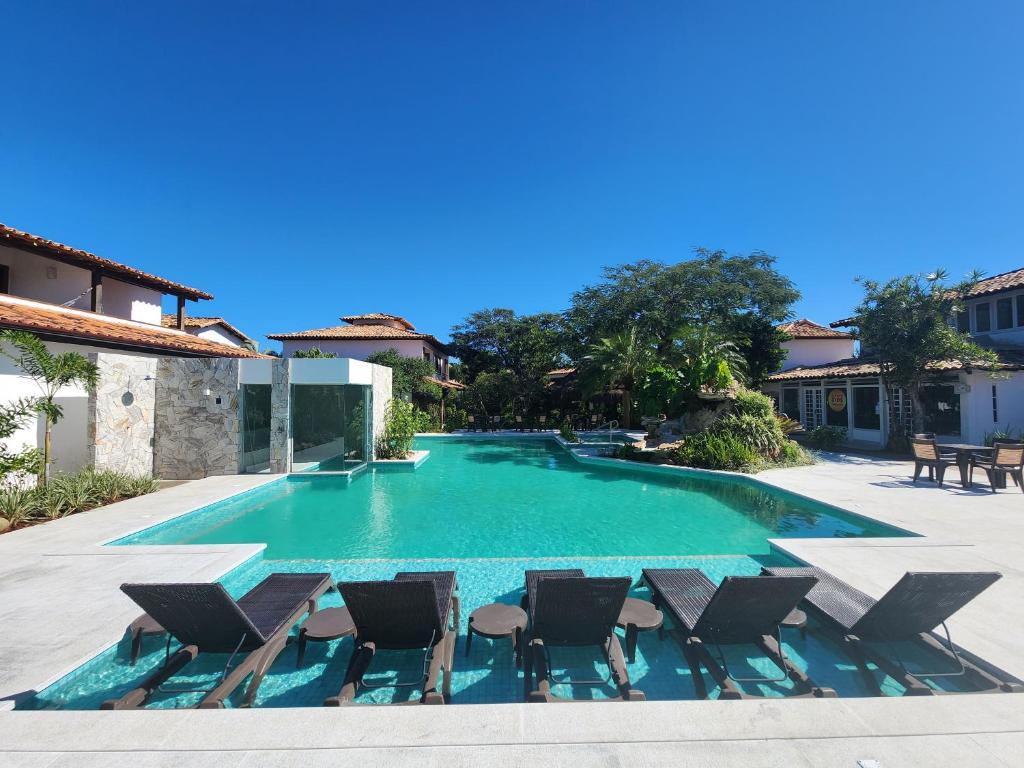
(1005, 459)
(205, 619)
(743, 610)
(410, 612)
(928, 454)
(532, 577)
(573, 612)
(910, 610)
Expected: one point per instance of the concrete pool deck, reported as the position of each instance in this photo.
(59, 605)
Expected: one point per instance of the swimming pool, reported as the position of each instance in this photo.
(482, 498)
(489, 509)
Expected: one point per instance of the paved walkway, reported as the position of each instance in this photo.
(66, 584)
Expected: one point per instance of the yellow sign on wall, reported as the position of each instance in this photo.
(837, 399)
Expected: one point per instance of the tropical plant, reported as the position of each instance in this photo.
(618, 361)
(904, 325)
(568, 433)
(716, 450)
(312, 352)
(17, 504)
(13, 416)
(395, 441)
(763, 436)
(826, 438)
(705, 361)
(788, 425)
(51, 373)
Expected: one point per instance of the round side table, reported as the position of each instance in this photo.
(144, 625)
(796, 619)
(496, 621)
(323, 626)
(637, 616)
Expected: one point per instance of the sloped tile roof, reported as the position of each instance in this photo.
(81, 326)
(351, 332)
(379, 316)
(1010, 360)
(1007, 281)
(171, 321)
(12, 236)
(806, 329)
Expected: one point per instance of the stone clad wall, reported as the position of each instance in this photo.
(120, 413)
(381, 397)
(280, 417)
(195, 435)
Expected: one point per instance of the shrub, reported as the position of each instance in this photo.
(788, 425)
(568, 434)
(826, 438)
(399, 430)
(792, 454)
(761, 435)
(425, 421)
(17, 505)
(716, 450)
(754, 404)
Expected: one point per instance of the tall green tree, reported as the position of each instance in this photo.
(51, 373)
(657, 298)
(409, 375)
(759, 341)
(905, 325)
(492, 340)
(621, 360)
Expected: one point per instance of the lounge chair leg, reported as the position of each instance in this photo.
(267, 657)
(136, 647)
(358, 663)
(139, 696)
(619, 672)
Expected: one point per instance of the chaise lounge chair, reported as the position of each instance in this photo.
(410, 612)
(910, 610)
(742, 610)
(571, 612)
(205, 619)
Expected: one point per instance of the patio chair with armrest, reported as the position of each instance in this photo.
(928, 454)
(1005, 459)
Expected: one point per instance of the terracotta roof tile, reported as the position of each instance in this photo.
(171, 321)
(51, 319)
(805, 329)
(12, 236)
(379, 316)
(1007, 281)
(348, 332)
(1011, 360)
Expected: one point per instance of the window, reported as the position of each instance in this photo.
(791, 402)
(866, 413)
(836, 410)
(5, 279)
(1004, 314)
(982, 318)
(426, 354)
(941, 406)
(963, 321)
(1020, 309)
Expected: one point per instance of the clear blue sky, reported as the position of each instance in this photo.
(307, 160)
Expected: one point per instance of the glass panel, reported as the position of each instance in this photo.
(963, 321)
(255, 427)
(866, 408)
(791, 403)
(941, 409)
(836, 414)
(328, 427)
(1004, 314)
(1020, 310)
(982, 318)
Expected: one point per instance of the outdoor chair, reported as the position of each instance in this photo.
(205, 619)
(414, 611)
(568, 611)
(909, 611)
(1006, 459)
(742, 610)
(519, 422)
(542, 422)
(927, 454)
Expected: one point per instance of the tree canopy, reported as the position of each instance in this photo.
(491, 340)
(657, 298)
(408, 374)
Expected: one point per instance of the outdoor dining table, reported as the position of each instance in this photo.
(964, 452)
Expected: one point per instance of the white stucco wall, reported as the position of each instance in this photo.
(976, 405)
(360, 349)
(815, 351)
(218, 334)
(70, 439)
(43, 279)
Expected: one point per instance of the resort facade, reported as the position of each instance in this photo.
(963, 404)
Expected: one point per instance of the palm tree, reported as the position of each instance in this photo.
(620, 360)
(706, 361)
(51, 372)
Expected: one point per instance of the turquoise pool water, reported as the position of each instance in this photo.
(488, 509)
(477, 498)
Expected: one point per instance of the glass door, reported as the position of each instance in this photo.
(255, 405)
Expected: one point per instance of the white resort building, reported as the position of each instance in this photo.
(178, 398)
(819, 387)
